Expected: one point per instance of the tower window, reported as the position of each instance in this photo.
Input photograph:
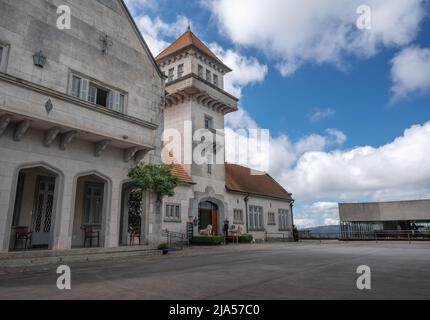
(180, 70)
(208, 122)
(216, 80)
(171, 74)
(200, 67)
(208, 75)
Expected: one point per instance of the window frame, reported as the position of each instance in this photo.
(180, 70)
(256, 218)
(271, 218)
(200, 70)
(170, 74)
(284, 219)
(238, 212)
(210, 121)
(120, 96)
(4, 56)
(215, 79)
(175, 215)
(208, 75)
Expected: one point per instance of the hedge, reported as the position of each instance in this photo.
(208, 241)
(246, 238)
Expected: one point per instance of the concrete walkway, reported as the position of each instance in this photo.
(308, 270)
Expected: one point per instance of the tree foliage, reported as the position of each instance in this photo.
(155, 178)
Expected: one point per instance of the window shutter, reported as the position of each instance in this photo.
(114, 101)
(92, 96)
(85, 85)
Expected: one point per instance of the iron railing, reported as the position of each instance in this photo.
(411, 235)
(175, 240)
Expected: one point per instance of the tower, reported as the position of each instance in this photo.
(195, 96)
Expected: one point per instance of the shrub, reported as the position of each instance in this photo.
(207, 241)
(246, 238)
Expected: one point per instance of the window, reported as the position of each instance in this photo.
(180, 70)
(284, 224)
(171, 76)
(208, 75)
(238, 216)
(216, 80)
(208, 122)
(94, 93)
(209, 168)
(200, 67)
(271, 220)
(256, 222)
(3, 57)
(93, 204)
(173, 212)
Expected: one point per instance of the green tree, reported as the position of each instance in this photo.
(155, 178)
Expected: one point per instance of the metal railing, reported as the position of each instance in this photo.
(411, 235)
(175, 240)
(277, 237)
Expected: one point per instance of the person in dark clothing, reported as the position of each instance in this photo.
(225, 229)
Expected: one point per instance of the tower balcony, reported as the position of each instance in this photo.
(191, 87)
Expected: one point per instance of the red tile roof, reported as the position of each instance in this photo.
(180, 172)
(239, 179)
(186, 40)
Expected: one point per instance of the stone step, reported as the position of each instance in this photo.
(40, 258)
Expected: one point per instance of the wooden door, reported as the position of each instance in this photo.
(214, 217)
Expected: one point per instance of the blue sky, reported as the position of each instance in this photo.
(347, 109)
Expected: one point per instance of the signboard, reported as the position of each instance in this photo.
(190, 231)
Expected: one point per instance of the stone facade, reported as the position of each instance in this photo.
(48, 132)
(193, 98)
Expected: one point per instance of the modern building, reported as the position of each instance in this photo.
(397, 216)
(79, 107)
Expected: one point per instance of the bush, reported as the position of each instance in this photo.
(207, 241)
(246, 238)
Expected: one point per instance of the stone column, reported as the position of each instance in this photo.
(113, 215)
(6, 205)
(63, 223)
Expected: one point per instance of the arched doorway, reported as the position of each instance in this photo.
(35, 208)
(208, 215)
(91, 209)
(131, 225)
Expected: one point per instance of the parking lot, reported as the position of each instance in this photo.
(307, 270)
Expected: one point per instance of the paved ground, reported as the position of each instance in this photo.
(307, 270)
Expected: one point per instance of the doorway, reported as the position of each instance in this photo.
(208, 215)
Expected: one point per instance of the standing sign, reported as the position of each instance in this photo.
(190, 231)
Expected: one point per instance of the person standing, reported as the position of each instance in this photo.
(225, 229)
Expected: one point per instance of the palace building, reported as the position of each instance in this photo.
(79, 107)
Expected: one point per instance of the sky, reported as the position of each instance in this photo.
(343, 87)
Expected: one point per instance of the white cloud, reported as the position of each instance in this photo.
(410, 72)
(155, 31)
(246, 70)
(302, 31)
(321, 114)
(396, 170)
(318, 214)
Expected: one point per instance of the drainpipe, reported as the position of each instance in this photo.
(292, 217)
(246, 213)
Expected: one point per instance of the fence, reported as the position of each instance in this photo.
(277, 237)
(175, 240)
(412, 235)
